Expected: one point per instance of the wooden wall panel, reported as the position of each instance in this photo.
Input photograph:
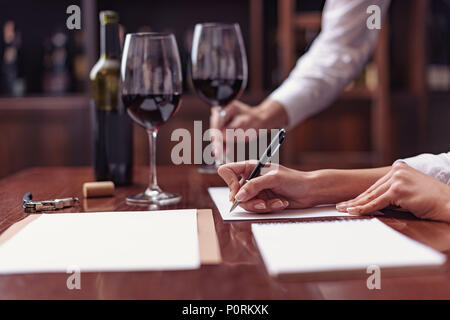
(57, 132)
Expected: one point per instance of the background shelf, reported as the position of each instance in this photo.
(364, 127)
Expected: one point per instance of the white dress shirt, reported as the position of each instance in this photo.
(435, 165)
(336, 57)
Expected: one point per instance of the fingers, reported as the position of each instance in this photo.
(231, 173)
(231, 111)
(380, 181)
(217, 120)
(343, 205)
(253, 187)
(369, 193)
(377, 197)
(239, 122)
(376, 204)
(364, 198)
(214, 118)
(255, 195)
(264, 206)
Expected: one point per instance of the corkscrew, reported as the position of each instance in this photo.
(31, 206)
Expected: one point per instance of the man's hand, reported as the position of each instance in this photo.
(407, 188)
(276, 189)
(268, 115)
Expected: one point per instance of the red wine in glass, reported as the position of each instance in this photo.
(151, 93)
(218, 70)
(151, 110)
(218, 92)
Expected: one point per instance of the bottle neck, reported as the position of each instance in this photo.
(109, 41)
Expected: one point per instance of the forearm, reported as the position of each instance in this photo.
(331, 186)
(336, 56)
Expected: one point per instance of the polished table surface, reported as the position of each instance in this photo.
(241, 275)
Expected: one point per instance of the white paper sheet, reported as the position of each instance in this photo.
(220, 197)
(109, 241)
(310, 247)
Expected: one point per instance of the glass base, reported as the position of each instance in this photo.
(208, 168)
(154, 199)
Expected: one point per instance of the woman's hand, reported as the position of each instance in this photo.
(276, 189)
(407, 188)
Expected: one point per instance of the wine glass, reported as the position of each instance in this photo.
(218, 69)
(151, 92)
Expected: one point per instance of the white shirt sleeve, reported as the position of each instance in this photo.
(336, 56)
(435, 165)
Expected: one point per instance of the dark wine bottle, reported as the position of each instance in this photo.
(113, 129)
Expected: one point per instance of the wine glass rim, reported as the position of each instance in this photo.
(155, 35)
(218, 24)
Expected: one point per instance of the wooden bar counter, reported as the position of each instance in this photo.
(241, 275)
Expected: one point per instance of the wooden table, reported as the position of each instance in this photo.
(241, 275)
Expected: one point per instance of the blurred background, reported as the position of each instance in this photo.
(399, 106)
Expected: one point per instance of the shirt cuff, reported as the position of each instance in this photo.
(289, 96)
(431, 165)
(281, 96)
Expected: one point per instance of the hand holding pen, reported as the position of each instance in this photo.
(254, 192)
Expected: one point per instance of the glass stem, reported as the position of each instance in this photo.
(153, 182)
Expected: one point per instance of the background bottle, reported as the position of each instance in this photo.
(11, 82)
(112, 127)
(56, 75)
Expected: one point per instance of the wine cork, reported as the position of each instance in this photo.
(98, 189)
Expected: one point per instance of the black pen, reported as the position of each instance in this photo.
(268, 154)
